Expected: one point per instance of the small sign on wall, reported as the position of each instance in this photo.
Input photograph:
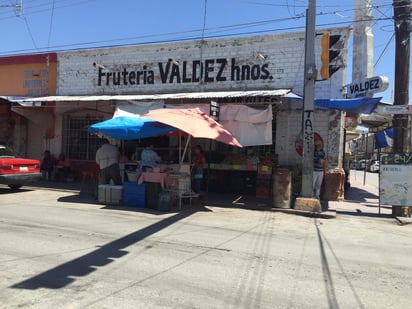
(395, 182)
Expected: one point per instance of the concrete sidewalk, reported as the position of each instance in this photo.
(360, 200)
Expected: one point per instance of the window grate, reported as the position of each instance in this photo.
(78, 143)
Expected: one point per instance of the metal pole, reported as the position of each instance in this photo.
(308, 98)
(367, 155)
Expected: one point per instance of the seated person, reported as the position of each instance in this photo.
(47, 165)
(123, 158)
(150, 158)
(63, 165)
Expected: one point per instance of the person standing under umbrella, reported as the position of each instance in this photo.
(198, 162)
(107, 157)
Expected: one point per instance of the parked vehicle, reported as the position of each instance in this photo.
(352, 164)
(15, 171)
(373, 166)
(361, 164)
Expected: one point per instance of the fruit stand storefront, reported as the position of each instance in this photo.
(152, 185)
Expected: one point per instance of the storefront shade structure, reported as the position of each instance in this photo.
(163, 121)
(130, 128)
(358, 105)
(194, 122)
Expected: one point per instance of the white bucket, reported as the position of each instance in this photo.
(133, 176)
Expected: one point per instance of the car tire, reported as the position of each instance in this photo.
(15, 187)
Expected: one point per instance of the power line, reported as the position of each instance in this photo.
(385, 49)
(30, 33)
(190, 34)
(181, 39)
(51, 24)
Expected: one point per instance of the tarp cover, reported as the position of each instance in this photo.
(130, 109)
(358, 106)
(251, 126)
(194, 122)
(384, 138)
(129, 128)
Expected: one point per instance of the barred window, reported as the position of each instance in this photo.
(78, 143)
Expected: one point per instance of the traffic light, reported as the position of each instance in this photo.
(329, 55)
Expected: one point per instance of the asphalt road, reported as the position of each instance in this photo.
(60, 252)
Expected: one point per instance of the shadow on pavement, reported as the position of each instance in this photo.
(360, 202)
(360, 213)
(356, 194)
(62, 275)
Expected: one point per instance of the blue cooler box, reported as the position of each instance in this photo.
(134, 195)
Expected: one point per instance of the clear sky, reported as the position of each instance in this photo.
(47, 25)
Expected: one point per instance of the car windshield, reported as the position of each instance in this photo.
(6, 152)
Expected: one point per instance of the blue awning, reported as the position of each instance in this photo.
(358, 106)
(129, 128)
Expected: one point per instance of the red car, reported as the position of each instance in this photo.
(15, 171)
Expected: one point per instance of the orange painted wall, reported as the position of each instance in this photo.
(29, 75)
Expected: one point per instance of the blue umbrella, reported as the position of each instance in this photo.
(129, 128)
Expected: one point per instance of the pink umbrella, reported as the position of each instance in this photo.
(194, 122)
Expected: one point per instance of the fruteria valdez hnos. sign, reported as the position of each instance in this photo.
(367, 86)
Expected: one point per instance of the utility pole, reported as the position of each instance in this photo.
(362, 61)
(401, 123)
(308, 98)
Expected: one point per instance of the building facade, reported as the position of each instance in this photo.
(91, 83)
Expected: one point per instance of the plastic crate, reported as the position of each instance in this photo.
(110, 194)
(134, 195)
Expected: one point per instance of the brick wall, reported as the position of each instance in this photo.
(260, 62)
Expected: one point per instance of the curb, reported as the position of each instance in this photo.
(311, 214)
(404, 220)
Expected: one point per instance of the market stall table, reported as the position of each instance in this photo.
(154, 177)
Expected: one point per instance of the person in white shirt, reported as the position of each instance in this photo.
(107, 157)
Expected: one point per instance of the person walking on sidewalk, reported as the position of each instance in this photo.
(319, 167)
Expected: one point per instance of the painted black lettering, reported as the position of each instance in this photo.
(234, 70)
(264, 71)
(164, 72)
(195, 77)
(100, 77)
(208, 69)
(245, 72)
(132, 78)
(175, 73)
(108, 74)
(185, 78)
(138, 74)
(150, 77)
(219, 75)
(124, 74)
(116, 78)
(255, 72)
